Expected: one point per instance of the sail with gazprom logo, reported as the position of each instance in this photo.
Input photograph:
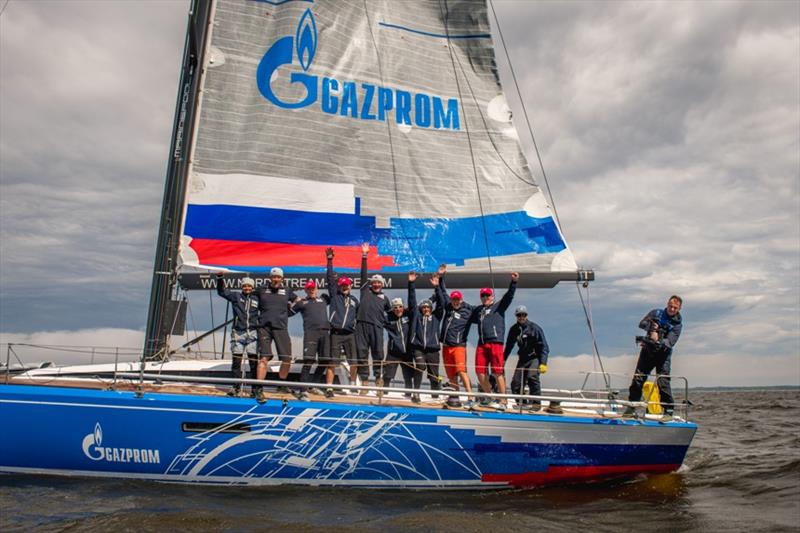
(358, 100)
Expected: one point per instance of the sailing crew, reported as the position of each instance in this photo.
(244, 336)
(663, 327)
(532, 352)
(370, 320)
(490, 318)
(452, 336)
(316, 336)
(398, 328)
(275, 302)
(343, 311)
(425, 327)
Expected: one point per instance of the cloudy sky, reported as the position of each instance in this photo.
(670, 133)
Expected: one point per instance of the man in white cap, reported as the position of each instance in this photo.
(275, 300)
(370, 320)
(398, 328)
(532, 351)
(244, 335)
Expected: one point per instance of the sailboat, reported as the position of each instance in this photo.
(302, 125)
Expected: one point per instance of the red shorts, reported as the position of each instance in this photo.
(486, 354)
(455, 360)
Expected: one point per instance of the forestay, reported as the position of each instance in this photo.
(333, 123)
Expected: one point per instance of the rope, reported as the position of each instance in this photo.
(587, 311)
(391, 144)
(445, 13)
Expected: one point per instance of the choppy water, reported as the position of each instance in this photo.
(741, 474)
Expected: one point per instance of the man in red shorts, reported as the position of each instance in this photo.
(490, 318)
(453, 335)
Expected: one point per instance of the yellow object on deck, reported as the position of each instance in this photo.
(653, 399)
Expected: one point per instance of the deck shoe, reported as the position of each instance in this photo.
(261, 397)
(469, 405)
(283, 389)
(415, 398)
(300, 395)
(629, 412)
(315, 391)
(554, 409)
(329, 393)
(666, 417)
(495, 405)
(452, 401)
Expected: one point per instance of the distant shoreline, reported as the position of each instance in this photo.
(766, 388)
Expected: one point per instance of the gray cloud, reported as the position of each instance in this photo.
(669, 132)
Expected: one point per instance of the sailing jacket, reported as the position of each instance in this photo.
(245, 307)
(374, 305)
(454, 321)
(314, 311)
(669, 328)
(274, 304)
(425, 329)
(399, 327)
(491, 319)
(529, 338)
(343, 308)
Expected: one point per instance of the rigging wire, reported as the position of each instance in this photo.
(586, 309)
(391, 143)
(445, 13)
(213, 335)
(525, 114)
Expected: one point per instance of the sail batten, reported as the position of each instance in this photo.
(324, 125)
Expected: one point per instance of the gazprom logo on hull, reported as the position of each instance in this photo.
(94, 450)
(363, 101)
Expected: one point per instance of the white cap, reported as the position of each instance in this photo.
(248, 281)
(397, 301)
(377, 277)
(521, 310)
(276, 272)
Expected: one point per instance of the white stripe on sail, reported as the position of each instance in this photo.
(268, 191)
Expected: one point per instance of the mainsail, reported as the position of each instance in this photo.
(334, 123)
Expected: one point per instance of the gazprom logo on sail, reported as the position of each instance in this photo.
(93, 449)
(351, 99)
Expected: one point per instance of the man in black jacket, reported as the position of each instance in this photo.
(244, 335)
(456, 312)
(532, 351)
(371, 320)
(663, 327)
(490, 318)
(343, 311)
(398, 329)
(275, 301)
(316, 334)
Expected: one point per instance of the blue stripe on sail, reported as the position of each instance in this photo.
(437, 35)
(262, 224)
(419, 243)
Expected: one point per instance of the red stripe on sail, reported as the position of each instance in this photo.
(567, 474)
(245, 253)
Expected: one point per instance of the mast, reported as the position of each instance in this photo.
(159, 317)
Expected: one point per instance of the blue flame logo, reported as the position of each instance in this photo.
(306, 39)
(98, 435)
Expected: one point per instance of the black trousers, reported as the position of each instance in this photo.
(387, 369)
(369, 338)
(430, 365)
(650, 359)
(343, 345)
(413, 365)
(527, 372)
(316, 349)
(283, 343)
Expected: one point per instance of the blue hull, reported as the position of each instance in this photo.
(220, 440)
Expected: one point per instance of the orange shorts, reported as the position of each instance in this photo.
(455, 360)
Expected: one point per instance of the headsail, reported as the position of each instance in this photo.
(336, 123)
